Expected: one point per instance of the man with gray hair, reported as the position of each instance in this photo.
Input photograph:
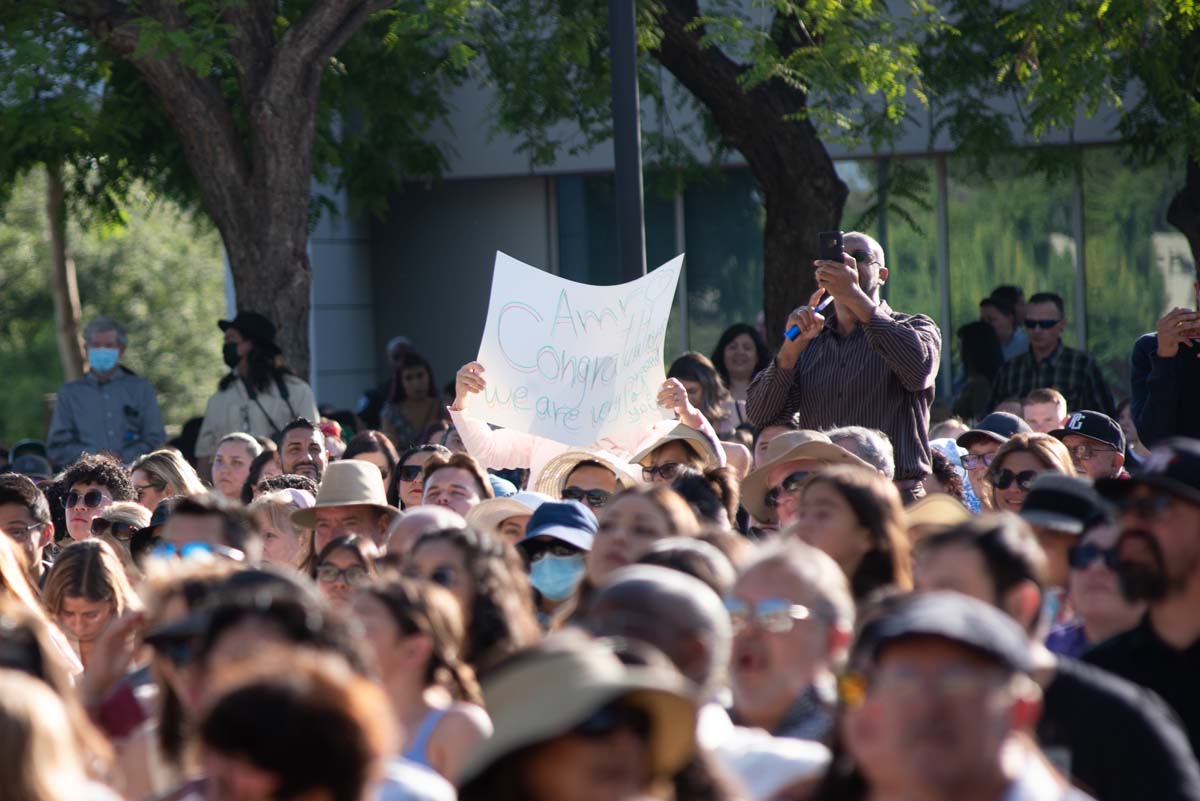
(792, 616)
(869, 444)
(109, 408)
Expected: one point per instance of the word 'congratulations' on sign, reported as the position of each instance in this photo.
(573, 362)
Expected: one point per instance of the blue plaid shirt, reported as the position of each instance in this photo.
(1072, 372)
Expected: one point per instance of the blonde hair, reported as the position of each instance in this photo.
(168, 471)
(127, 512)
(278, 506)
(89, 569)
(39, 758)
(1052, 454)
(675, 509)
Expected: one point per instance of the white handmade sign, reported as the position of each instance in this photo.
(573, 362)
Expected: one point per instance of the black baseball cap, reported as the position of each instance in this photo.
(1093, 425)
(1065, 503)
(1173, 467)
(997, 426)
(956, 618)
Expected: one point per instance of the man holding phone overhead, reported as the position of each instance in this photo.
(855, 362)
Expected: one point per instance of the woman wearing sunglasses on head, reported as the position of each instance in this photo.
(116, 525)
(1018, 462)
(485, 575)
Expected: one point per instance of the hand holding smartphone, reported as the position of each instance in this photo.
(830, 247)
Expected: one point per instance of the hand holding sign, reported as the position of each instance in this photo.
(568, 361)
(468, 380)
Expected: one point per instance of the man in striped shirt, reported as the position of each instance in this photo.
(859, 364)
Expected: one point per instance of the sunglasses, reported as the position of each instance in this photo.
(1043, 324)
(1004, 479)
(862, 257)
(775, 615)
(121, 531)
(1147, 508)
(790, 485)
(971, 461)
(142, 490)
(410, 472)
(91, 499)
(594, 498)
(330, 574)
(614, 717)
(668, 471)
(442, 576)
(552, 549)
(192, 550)
(1080, 556)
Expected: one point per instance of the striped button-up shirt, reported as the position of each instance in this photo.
(1072, 372)
(880, 376)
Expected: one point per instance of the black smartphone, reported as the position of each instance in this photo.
(830, 246)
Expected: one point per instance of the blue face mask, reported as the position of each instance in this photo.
(556, 576)
(103, 359)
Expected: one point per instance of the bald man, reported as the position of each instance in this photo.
(419, 520)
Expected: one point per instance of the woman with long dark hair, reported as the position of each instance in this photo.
(740, 354)
(259, 395)
(412, 402)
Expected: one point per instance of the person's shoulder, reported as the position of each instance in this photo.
(1118, 692)
(405, 780)
(75, 385)
(1116, 652)
(903, 317)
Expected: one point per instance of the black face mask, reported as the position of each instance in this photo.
(230, 354)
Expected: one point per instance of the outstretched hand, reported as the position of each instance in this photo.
(467, 380)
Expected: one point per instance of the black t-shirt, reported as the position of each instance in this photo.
(1140, 656)
(1118, 741)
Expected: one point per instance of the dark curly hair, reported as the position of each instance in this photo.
(502, 621)
(943, 471)
(103, 470)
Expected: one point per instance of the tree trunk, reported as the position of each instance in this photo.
(63, 286)
(802, 191)
(1184, 211)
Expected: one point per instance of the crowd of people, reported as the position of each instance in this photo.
(796, 586)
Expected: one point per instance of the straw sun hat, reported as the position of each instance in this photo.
(790, 447)
(695, 440)
(553, 478)
(548, 691)
(350, 482)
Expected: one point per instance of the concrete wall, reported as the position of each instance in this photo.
(431, 261)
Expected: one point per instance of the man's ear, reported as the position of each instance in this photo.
(47, 536)
(279, 461)
(1023, 603)
(838, 640)
(883, 274)
(1119, 461)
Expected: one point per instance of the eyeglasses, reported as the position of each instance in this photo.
(410, 472)
(955, 683)
(1080, 556)
(1004, 479)
(15, 531)
(594, 498)
(330, 574)
(668, 471)
(192, 550)
(122, 531)
(1147, 507)
(91, 499)
(1043, 324)
(776, 615)
(142, 490)
(1084, 453)
(790, 485)
(972, 461)
(614, 717)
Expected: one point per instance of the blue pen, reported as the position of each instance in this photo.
(794, 331)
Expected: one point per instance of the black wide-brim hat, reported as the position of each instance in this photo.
(255, 327)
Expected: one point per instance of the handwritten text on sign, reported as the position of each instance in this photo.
(573, 362)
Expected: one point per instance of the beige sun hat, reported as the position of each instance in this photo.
(789, 447)
(488, 514)
(933, 513)
(351, 482)
(559, 684)
(706, 448)
(553, 478)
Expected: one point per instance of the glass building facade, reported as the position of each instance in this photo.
(1095, 233)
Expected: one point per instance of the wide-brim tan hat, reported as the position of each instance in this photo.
(706, 448)
(935, 512)
(488, 514)
(352, 482)
(547, 693)
(790, 447)
(553, 478)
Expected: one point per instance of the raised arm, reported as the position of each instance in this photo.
(497, 449)
(912, 347)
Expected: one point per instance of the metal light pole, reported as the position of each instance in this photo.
(627, 140)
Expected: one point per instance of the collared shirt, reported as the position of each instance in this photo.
(1072, 372)
(880, 376)
(1141, 656)
(119, 414)
(1018, 343)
